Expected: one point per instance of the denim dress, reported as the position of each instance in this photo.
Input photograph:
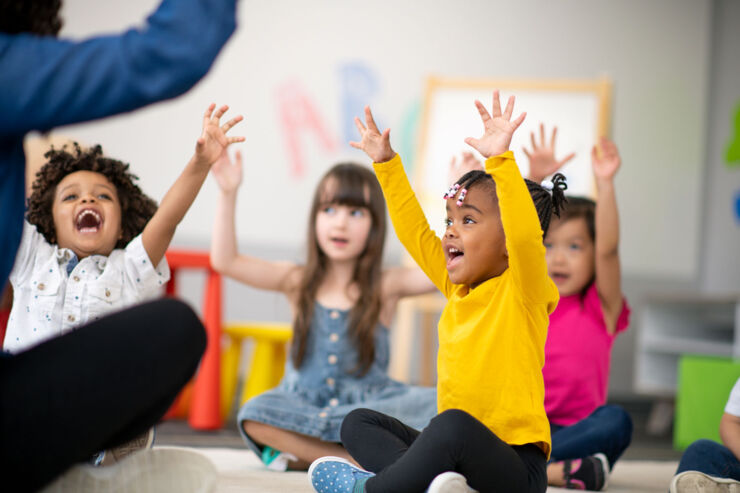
(314, 399)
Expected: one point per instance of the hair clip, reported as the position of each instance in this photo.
(452, 191)
(460, 199)
(547, 185)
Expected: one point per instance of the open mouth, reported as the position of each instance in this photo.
(339, 241)
(559, 277)
(454, 255)
(88, 221)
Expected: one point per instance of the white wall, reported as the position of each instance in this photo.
(721, 226)
(656, 53)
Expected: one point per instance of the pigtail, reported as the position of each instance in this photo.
(548, 197)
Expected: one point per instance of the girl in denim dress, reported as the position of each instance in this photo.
(342, 302)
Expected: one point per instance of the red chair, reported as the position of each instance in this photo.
(205, 396)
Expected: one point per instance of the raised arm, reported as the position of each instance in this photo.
(258, 273)
(542, 162)
(606, 162)
(406, 214)
(518, 214)
(49, 82)
(211, 144)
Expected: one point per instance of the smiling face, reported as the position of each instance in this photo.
(342, 230)
(570, 255)
(474, 242)
(87, 214)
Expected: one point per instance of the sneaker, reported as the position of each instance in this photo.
(276, 460)
(590, 473)
(146, 471)
(111, 456)
(698, 482)
(337, 475)
(450, 482)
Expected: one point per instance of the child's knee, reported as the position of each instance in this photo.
(357, 419)
(259, 432)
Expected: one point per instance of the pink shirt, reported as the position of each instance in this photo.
(577, 354)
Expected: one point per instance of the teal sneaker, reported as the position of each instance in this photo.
(337, 475)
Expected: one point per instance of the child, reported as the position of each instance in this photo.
(706, 465)
(93, 239)
(92, 242)
(583, 261)
(342, 301)
(492, 431)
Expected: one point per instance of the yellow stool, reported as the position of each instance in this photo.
(266, 367)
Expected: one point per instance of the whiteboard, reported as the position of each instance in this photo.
(580, 110)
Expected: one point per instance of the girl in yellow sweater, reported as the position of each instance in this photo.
(492, 432)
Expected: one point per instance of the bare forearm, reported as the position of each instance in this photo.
(175, 204)
(223, 241)
(607, 219)
(729, 431)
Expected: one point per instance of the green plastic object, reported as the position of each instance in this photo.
(704, 385)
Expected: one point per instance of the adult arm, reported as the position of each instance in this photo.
(47, 82)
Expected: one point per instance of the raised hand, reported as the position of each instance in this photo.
(376, 145)
(498, 128)
(605, 160)
(468, 163)
(213, 140)
(228, 175)
(542, 160)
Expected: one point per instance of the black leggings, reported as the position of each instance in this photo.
(406, 460)
(92, 389)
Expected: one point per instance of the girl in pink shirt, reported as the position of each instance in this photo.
(583, 261)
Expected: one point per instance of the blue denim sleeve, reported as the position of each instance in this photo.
(46, 82)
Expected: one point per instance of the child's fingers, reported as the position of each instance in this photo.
(534, 142)
(360, 127)
(496, 106)
(238, 159)
(234, 140)
(509, 108)
(567, 158)
(220, 112)
(527, 153)
(472, 142)
(208, 113)
(356, 145)
(226, 126)
(554, 134)
(484, 115)
(369, 120)
(519, 120)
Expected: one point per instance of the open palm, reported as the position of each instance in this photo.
(213, 140)
(605, 159)
(542, 160)
(498, 128)
(228, 174)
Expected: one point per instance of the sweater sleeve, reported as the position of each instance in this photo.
(522, 229)
(49, 82)
(410, 223)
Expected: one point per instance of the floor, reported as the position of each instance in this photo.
(647, 466)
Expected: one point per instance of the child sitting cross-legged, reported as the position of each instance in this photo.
(492, 433)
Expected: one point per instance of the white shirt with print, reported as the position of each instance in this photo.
(733, 403)
(48, 301)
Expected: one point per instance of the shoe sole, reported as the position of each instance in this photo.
(605, 467)
(145, 471)
(450, 482)
(698, 482)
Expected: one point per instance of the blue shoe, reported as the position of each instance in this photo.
(337, 475)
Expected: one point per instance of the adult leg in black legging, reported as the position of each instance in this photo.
(453, 441)
(92, 389)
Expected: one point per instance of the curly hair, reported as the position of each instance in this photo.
(30, 16)
(136, 207)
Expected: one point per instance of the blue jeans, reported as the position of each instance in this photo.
(710, 458)
(607, 430)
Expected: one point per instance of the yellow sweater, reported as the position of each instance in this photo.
(491, 338)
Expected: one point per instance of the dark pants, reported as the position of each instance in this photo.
(406, 460)
(710, 458)
(607, 430)
(92, 389)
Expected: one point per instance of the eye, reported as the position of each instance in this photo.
(69, 197)
(468, 220)
(448, 222)
(574, 246)
(548, 245)
(329, 209)
(357, 212)
(104, 196)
